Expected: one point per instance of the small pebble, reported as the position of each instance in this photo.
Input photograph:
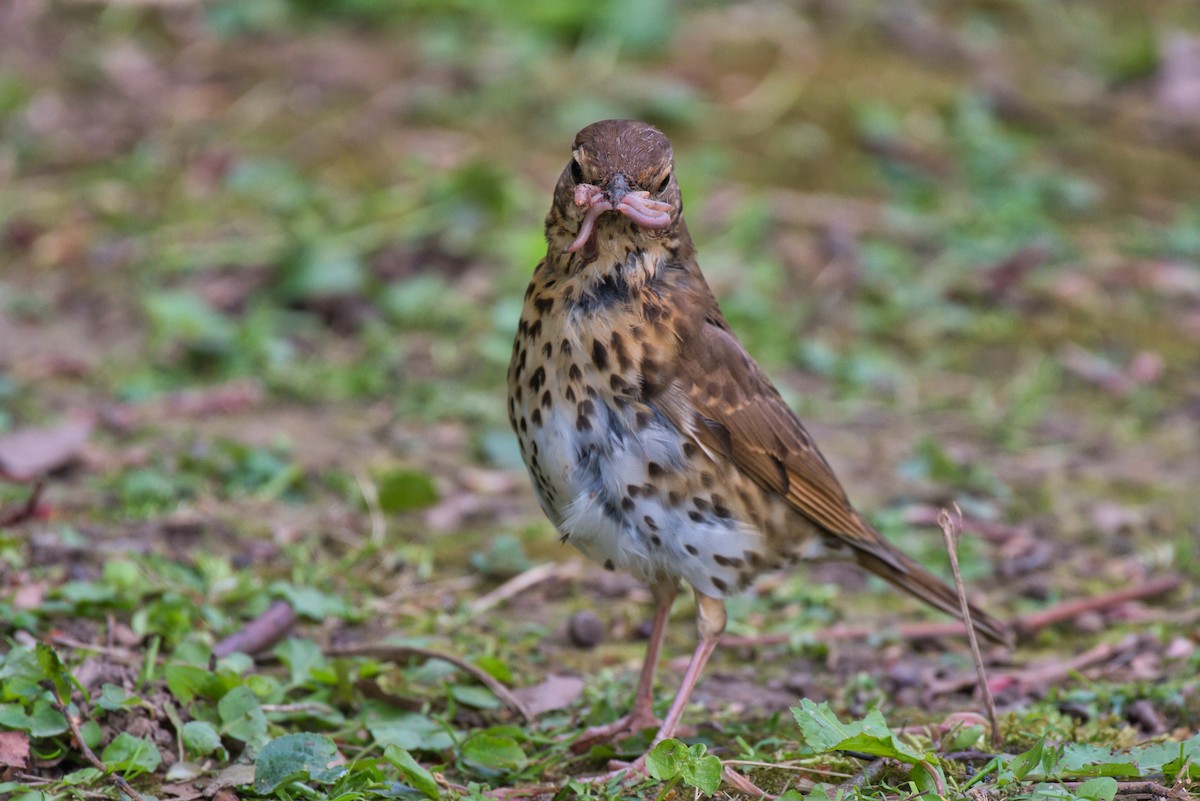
(904, 674)
(585, 630)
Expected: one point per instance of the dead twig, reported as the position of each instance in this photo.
(314, 707)
(1028, 624)
(868, 775)
(1047, 675)
(396, 653)
(262, 632)
(839, 633)
(504, 793)
(951, 530)
(1024, 626)
(523, 582)
(73, 725)
(113, 654)
(27, 510)
(1143, 789)
(740, 783)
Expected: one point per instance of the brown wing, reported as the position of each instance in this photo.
(739, 413)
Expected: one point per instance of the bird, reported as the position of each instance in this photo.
(655, 444)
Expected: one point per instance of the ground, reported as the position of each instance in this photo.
(261, 263)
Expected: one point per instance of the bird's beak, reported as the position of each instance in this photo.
(615, 196)
(616, 190)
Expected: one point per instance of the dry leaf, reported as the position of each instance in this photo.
(14, 749)
(556, 692)
(33, 452)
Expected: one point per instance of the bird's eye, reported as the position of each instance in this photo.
(576, 171)
(662, 187)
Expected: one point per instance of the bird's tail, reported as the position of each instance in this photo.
(899, 570)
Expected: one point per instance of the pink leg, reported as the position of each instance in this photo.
(641, 714)
(710, 622)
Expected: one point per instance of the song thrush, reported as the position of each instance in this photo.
(656, 444)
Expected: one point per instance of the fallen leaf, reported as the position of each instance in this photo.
(32, 452)
(14, 749)
(235, 775)
(556, 692)
(182, 791)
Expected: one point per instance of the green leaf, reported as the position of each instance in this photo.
(91, 733)
(925, 778)
(301, 657)
(663, 761)
(83, 776)
(963, 739)
(55, 670)
(412, 772)
(321, 270)
(43, 721)
(1084, 759)
(702, 772)
(495, 667)
(188, 681)
(242, 717)
(185, 318)
(131, 755)
(1101, 788)
(494, 752)
(408, 730)
(1023, 764)
(504, 557)
(113, 698)
(200, 738)
(824, 732)
(1183, 756)
(21, 675)
(294, 757)
(672, 758)
(474, 695)
(311, 603)
(403, 490)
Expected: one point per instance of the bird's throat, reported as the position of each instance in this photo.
(615, 277)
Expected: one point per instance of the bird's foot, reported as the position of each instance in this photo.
(638, 719)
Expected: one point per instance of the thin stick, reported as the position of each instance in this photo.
(265, 630)
(121, 655)
(116, 779)
(1027, 624)
(1148, 789)
(951, 529)
(791, 765)
(522, 582)
(27, 510)
(398, 652)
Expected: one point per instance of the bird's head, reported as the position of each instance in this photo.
(622, 167)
